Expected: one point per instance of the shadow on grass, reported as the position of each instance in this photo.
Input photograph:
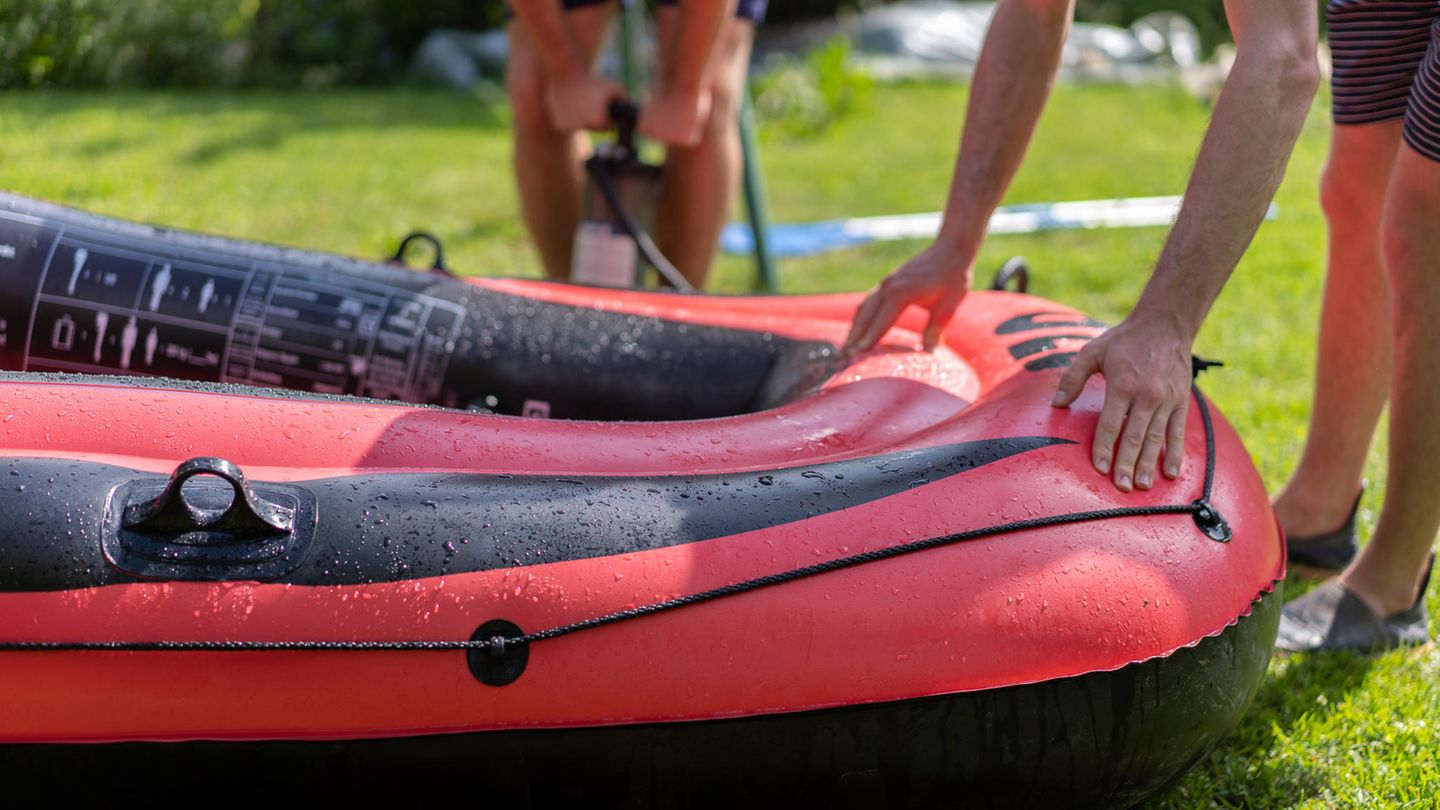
(1245, 771)
(100, 148)
(286, 116)
(265, 120)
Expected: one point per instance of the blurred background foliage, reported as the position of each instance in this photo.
(313, 43)
(1208, 15)
(221, 43)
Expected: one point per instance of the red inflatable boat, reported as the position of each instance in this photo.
(726, 567)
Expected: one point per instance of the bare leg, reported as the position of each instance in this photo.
(700, 183)
(1352, 378)
(548, 163)
(1387, 572)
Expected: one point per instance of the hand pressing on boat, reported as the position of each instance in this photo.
(937, 279)
(1147, 370)
(581, 101)
(676, 117)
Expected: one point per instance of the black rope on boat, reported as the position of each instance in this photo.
(1197, 365)
(237, 646)
(1207, 518)
(857, 559)
(1205, 515)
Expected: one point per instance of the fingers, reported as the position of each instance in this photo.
(657, 128)
(1072, 382)
(1147, 400)
(648, 127)
(940, 316)
(876, 316)
(861, 325)
(886, 313)
(676, 119)
(582, 104)
(1112, 419)
(1140, 446)
(1175, 440)
(936, 279)
(1149, 459)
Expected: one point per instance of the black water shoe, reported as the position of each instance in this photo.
(1332, 618)
(1318, 556)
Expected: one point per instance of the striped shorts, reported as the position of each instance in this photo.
(1386, 56)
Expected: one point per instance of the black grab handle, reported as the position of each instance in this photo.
(437, 265)
(1015, 269)
(170, 511)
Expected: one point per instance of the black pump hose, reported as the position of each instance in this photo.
(632, 228)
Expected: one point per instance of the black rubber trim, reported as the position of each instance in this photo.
(1030, 321)
(391, 527)
(1049, 361)
(1025, 348)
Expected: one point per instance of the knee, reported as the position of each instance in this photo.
(727, 87)
(1351, 195)
(1402, 231)
(725, 97)
(1408, 244)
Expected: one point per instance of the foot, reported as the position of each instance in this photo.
(1318, 556)
(1332, 617)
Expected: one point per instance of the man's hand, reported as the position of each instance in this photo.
(938, 279)
(581, 101)
(1012, 79)
(676, 118)
(1146, 365)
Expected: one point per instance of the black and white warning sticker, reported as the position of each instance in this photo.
(105, 300)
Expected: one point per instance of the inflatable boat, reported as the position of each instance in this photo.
(295, 513)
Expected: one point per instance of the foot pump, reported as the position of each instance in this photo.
(612, 247)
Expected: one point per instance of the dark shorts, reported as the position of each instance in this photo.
(752, 10)
(1386, 57)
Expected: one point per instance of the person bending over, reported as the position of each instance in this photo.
(704, 50)
(1145, 359)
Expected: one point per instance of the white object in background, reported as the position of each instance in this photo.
(808, 238)
(603, 256)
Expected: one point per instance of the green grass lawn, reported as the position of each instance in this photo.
(350, 172)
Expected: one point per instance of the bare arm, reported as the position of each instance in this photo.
(1146, 358)
(679, 107)
(1012, 81)
(696, 38)
(574, 97)
(544, 23)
